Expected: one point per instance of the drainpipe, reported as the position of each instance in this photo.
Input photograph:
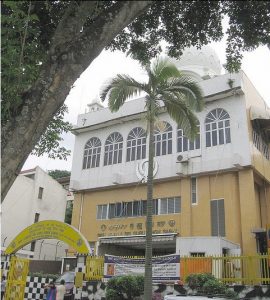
(40, 249)
(4, 241)
(56, 249)
(81, 211)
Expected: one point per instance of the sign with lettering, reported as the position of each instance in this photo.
(137, 228)
(50, 229)
(165, 268)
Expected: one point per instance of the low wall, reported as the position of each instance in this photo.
(34, 288)
(96, 290)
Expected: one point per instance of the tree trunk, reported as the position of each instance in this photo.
(70, 54)
(149, 212)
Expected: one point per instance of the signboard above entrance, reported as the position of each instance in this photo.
(50, 229)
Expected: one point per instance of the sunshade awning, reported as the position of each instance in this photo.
(261, 119)
(137, 239)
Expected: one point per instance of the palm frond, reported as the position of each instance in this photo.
(163, 70)
(189, 88)
(120, 89)
(181, 113)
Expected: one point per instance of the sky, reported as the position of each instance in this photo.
(255, 64)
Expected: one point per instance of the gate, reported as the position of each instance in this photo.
(16, 280)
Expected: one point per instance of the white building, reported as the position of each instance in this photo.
(218, 186)
(34, 196)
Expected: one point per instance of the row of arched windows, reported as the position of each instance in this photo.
(217, 130)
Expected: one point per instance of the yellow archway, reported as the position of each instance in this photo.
(50, 229)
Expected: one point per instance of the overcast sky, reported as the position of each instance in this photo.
(255, 64)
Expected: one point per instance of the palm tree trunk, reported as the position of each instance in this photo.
(149, 212)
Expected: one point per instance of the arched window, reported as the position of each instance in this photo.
(113, 149)
(184, 144)
(136, 144)
(217, 127)
(91, 155)
(163, 138)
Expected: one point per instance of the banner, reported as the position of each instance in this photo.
(165, 268)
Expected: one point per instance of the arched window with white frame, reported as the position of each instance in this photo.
(91, 155)
(184, 144)
(113, 149)
(136, 144)
(217, 127)
(163, 138)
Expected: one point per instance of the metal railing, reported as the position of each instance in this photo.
(249, 269)
(94, 269)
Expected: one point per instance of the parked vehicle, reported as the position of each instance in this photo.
(69, 284)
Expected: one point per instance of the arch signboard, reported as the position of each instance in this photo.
(50, 229)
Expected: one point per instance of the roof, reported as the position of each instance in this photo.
(63, 179)
(28, 171)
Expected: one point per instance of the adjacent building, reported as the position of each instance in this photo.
(211, 195)
(34, 196)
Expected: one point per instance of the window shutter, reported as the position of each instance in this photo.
(221, 217)
(218, 217)
(214, 217)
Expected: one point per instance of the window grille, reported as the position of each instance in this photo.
(217, 128)
(113, 149)
(91, 155)
(163, 138)
(136, 144)
(218, 217)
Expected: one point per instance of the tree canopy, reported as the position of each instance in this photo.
(58, 173)
(46, 45)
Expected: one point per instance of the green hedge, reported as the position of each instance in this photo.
(124, 287)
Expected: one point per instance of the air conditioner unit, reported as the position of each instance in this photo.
(182, 158)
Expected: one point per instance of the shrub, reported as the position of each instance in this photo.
(231, 294)
(196, 281)
(207, 284)
(124, 287)
(213, 287)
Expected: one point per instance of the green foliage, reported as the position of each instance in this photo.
(179, 93)
(196, 281)
(229, 294)
(195, 23)
(58, 173)
(124, 287)
(28, 29)
(24, 47)
(207, 284)
(68, 214)
(213, 287)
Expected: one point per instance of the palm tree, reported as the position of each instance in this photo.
(180, 95)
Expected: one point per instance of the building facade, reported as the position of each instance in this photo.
(34, 196)
(211, 195)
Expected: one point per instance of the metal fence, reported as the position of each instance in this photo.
(250, 269)
(94, 269)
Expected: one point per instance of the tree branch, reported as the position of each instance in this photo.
(68, 57)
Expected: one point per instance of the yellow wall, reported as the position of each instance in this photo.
(242, 209)
(253, 98)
